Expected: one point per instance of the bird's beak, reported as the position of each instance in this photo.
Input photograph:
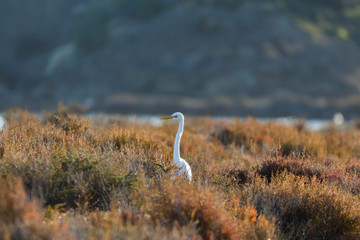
(166, 118)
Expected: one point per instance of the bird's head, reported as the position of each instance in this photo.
(178, 116)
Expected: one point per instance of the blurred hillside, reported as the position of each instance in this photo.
(234, 57)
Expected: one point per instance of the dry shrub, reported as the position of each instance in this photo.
(291, 139)
(308, 168)
(62, 166)
(63, 119)
(308, 209)
(14, 114)
(70, 123)
(273, 166)
(181, 203)
(254, 225)
(20, 218)
(80, 179)
(2, 152)
(117, 224)
(79, 168)
(239, 176)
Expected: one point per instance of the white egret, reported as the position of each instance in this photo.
(184, 167)
(2, 122)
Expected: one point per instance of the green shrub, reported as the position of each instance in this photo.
(79, 179)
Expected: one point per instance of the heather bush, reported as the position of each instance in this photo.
(307, 209)
(289, 139)
(273, 166)
(107, 178)
(20, 217)
(182, 204)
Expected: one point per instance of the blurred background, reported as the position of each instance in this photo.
(264, 58)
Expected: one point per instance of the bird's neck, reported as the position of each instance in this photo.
(177, 142)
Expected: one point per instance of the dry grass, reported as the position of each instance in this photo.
(67, 177)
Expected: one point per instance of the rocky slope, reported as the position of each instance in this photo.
(242, 57)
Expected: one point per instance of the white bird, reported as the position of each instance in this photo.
(2, 122)
(184, 167)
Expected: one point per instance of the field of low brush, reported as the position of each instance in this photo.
(71, 177)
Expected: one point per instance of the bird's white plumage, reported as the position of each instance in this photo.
(183, 167)
(2, 122)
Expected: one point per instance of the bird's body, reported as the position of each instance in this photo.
(184, 167)
(2, 122)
